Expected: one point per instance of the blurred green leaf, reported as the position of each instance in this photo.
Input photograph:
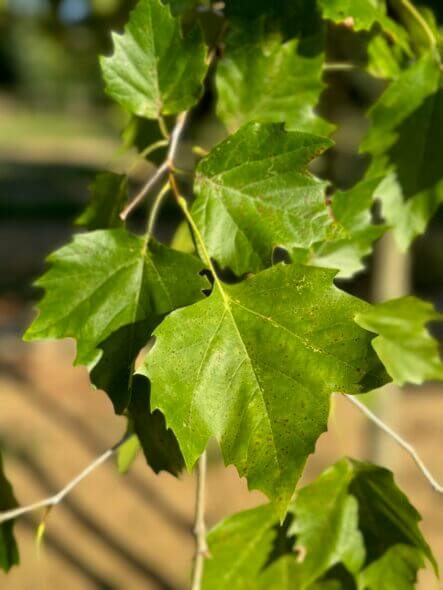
(8, 547)
(109, 193)
(272, 83)
(154, 71)
(405, 141)
(404, 345)
(396, 570)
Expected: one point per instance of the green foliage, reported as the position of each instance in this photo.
(238, 345)
(353, 517)
(405, 142)
(352, 234)
(404, 345)
(154, 70)
(108, 280)
(263, 80)
(396, 569)
(254, 365)
(8, 546)
(254, 193)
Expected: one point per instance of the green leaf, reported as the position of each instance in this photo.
(386, 517)
(270, 84)
(112, 363)
(405, 140)
(326, 524)
(352, 234)
(396, 570)
(403, 344)
(109, 195)
(363, 15)
(8, 547)
(360, 14)
(159, 444)
(108, 279)
(127, 453)
(154, 70)
(283, 574)
(254, 364)
(293, 18)
(350, 507)
(239, 547)
(254, 193)
(384, 59)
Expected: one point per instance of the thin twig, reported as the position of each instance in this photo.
(399, 440)
(163, 169)
(201, 546)
(59, 496)
(155, 210)
(159, 173)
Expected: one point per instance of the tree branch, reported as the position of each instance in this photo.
(163, 169)
(201, 546)
(59, 496)
(398, 439)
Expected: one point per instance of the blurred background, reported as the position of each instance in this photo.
(57, 130)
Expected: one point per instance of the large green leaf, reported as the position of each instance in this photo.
(254, 193)
(404, 345)
(405, 140)
(326, 524)
(352, 233)
(108, 279)
(8, 547)
(239, 547)
(254, 365)
(109, 193)
(153, 69)
(396, 570)
(270, 83)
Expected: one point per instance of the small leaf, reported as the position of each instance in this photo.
(405, 141)
(8, 547)
(154, 70)
(272, 84)
(396, 569)
(254, 193)
(253, 365)
(109, 195)
(403, 344)
(111, 280)
(127, 454)
(363, 15)
(239, 547)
